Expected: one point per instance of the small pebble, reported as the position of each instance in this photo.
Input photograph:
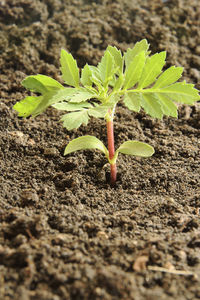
(29, 197)
(50, 152)
(102, 235)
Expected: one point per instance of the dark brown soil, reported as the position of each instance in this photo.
(64, 232)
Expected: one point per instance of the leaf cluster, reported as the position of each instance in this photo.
(136, 78)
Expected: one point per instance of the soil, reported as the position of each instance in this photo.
(64, 232)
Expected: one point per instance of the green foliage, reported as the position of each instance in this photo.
(106, 68)
(86, 76)
(138, 48)
(27, 106)
(74, 119)
(136, 148)
(85, 142)
(133, 101)
(152, 68)
(117, 56)
(136, 78)
(90, 142)
(41, 84)
(69, 69)
(134, 70)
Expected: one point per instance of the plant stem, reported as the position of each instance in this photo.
(111, 147)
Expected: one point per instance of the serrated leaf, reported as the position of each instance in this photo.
(69, 69)
(86, 76)
(41, 83)
(131, 53)
(33, 85)
(69, 106)
(181, 92)
(168, 77)
(26, 106)
(167, 106)
(118, 83)
(36, 105)
(85, 142)
(151, 105)
(51, 98)
(95, 72)
(75, 119)
(82, 94)
(113, 81)
(136, 148)
(49, 82)
(95, 78)
(133, 101)
(117, 55)
(106, 67)
(152, 69)
(134, 71)
(99, 111)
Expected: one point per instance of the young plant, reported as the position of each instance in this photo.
(136, 78)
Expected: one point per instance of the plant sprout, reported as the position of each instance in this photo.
(136, 78)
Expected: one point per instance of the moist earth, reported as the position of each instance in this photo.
(64, 232)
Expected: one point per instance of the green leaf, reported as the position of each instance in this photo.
(117, 55)
(82, 94)
(36, 105)
(151, 105)
(167, 106)
(133, 101)
(100, 111)
(95, 73)
(75, 119)
(69, 69)
(131, 53)
(41, 83)
(69, 106)
(106, 67)
(181, 92)
(158, 99)
(168, 77)
(86, 76)
(26, 106)
(95, 78)
(112, 82)
(134, 71)
(118, 83)
(51, 98)
(136, 148)
(141, 69)
(85, 142)
(152, 69)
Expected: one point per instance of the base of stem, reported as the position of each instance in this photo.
(113, 174)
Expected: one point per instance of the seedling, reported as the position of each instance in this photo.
(136, 78)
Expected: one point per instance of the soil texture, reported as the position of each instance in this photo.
(64, 232)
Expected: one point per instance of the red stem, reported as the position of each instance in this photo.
(111, 150)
